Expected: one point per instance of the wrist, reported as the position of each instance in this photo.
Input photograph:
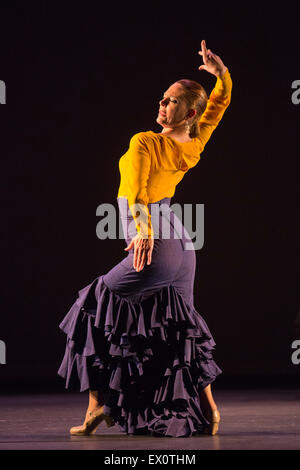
(145, 236)
(221, 72)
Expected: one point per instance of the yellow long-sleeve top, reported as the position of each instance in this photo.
(155, 163)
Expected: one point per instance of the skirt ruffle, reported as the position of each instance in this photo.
(150, 355)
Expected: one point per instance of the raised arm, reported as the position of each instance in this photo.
(220, 96)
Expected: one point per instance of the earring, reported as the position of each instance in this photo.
(187, 127)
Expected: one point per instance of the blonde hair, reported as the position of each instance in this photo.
(196, 98)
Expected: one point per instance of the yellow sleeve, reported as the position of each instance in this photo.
(139, 163)
(218, 101)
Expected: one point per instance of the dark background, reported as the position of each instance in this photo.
(80, 82)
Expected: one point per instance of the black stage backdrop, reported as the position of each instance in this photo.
(80, 81)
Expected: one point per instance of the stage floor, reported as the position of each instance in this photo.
(251, 419)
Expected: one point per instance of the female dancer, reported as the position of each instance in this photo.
(134, 338)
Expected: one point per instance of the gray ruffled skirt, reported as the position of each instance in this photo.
(137, 337)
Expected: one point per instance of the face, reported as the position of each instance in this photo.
(172, 108)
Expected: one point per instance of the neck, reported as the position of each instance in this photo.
(178, 133)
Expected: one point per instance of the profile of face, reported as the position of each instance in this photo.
(173, 109)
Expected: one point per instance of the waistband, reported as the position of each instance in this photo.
(163, 211)
(123, 201)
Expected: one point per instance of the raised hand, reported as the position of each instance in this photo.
(212, 62)
(143, 248)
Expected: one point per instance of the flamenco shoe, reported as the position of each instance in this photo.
(91, 422)
(213, 426)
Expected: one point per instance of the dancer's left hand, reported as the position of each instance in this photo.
(212, 62)
(143, 248)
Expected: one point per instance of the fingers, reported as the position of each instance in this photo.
(141, 261)
(139, 258)
(211, 60)
(209, 54)
(149, 257)
(136, 256)
(128, 247)
(204, 51)
(142, 254)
